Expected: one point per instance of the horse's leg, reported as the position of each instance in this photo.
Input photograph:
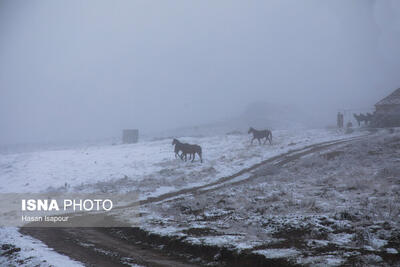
(194, 155)
(265, 140)
(252, 140)
(201, 158)
(259, 141)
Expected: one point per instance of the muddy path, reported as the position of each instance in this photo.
(94, 247)
(127, 246)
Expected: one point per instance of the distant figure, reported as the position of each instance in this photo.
(261, 134)
(187, 149)
(340, 120)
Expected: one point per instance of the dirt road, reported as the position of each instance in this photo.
(127, 246)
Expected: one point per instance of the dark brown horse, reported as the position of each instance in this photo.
(187, 149)
(261, 134)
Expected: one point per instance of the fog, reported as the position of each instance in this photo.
(74, 70)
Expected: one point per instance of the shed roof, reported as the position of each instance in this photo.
(392, 99)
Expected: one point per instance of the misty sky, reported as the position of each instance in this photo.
(73, 70)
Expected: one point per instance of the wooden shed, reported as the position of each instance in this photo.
(390, 103)
(387, 112)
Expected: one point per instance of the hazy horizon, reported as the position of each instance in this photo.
(76, 70)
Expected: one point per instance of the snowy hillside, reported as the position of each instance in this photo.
(145, 167)
(331, 208)
(148, 168)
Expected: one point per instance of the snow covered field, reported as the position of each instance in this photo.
(340, 206)
(20, 250)
(148, 168)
